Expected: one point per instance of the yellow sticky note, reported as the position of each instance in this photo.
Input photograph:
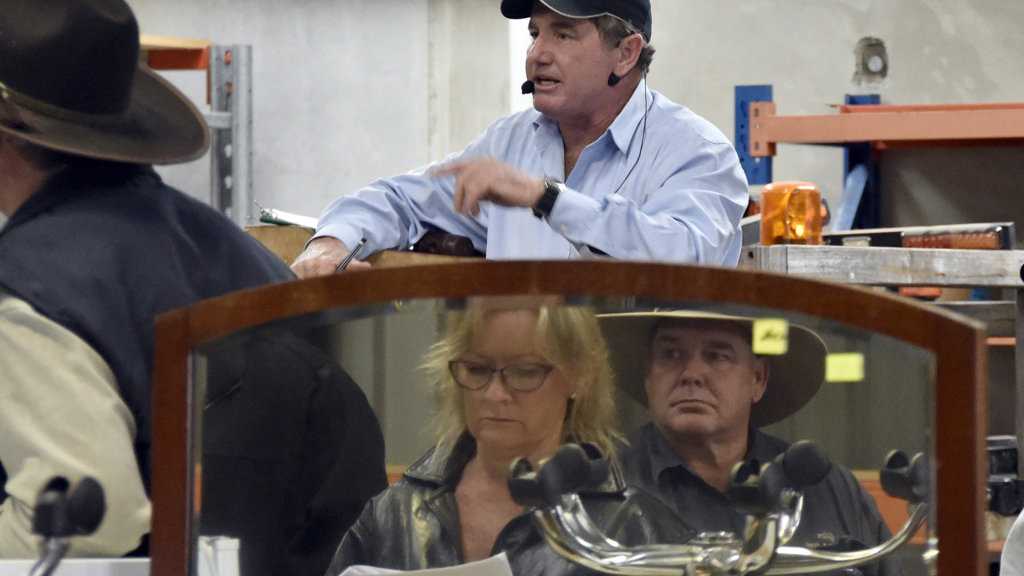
(844, 367)
(770, 337)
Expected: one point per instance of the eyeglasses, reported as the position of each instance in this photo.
(518, 377)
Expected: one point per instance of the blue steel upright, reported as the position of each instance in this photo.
(759, 170)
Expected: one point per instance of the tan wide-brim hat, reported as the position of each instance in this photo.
(793, 378)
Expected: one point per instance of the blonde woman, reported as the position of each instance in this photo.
(513, 381)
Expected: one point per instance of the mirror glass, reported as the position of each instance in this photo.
(286, 451)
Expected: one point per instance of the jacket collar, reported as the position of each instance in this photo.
(442, 467)
(80, 177)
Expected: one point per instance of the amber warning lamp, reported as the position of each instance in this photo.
(791, 213)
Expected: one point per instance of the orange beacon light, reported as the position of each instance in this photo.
(791, 213)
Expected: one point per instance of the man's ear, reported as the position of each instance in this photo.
(761, 373)
(629, 53)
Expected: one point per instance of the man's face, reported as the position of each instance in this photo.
(702, 380)
(569, 65)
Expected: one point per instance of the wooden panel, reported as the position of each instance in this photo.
(957, 344)
(891, 266)
(287, 242)
(392, 258)
(170, 550)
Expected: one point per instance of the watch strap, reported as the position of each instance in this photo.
(546, 203)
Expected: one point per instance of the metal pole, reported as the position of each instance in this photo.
(241, 128)
(231, 132)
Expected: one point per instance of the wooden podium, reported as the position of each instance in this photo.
(288, 241)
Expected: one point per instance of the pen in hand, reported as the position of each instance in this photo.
(351, 256)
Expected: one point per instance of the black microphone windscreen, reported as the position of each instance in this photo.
(528, 87)
(57, 484)
(805, 464)
(86, 506)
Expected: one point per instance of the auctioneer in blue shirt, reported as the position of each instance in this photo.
(682, 202)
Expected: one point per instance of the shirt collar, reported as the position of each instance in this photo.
(624, 125)
(664, 458)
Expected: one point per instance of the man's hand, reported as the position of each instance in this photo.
(488, 179)
(322, 256)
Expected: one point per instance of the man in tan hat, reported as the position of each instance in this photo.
(96, 246)
(707, 394)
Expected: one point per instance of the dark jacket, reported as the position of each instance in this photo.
(103, 248)
(415, 523)
(292, 452)
(837, 514)
(292, 449)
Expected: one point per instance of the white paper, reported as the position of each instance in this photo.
(494, 566)
(82, 567)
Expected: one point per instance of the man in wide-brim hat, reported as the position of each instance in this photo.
(96, 246)
(707, 394)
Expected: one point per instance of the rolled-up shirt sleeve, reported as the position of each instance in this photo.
(690, 217)
(61, 415)
(396, 212)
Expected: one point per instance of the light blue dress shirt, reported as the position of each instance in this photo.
(682, 203)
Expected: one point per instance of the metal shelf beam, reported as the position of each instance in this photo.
(885, 125)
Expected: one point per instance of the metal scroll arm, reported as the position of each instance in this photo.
(769, 494)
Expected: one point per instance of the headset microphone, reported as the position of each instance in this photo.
(528, 87)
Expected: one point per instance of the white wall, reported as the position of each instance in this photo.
(940, 51)
(345, 91)
(348, 90)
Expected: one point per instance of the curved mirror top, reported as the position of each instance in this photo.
(432, 401)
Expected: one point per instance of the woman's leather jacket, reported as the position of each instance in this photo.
(415, 523)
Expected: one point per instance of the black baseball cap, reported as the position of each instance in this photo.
(636, 12)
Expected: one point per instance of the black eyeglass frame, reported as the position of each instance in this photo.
(453, 367)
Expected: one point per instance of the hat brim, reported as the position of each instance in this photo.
(160, 126)
(793, 378)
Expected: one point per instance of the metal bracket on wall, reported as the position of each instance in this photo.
(230, 123)
(758, 168)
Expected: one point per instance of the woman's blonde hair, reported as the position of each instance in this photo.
(568, 336)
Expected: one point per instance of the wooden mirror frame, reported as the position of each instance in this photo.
(958, 346)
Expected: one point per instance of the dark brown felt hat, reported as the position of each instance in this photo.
(71, 80)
